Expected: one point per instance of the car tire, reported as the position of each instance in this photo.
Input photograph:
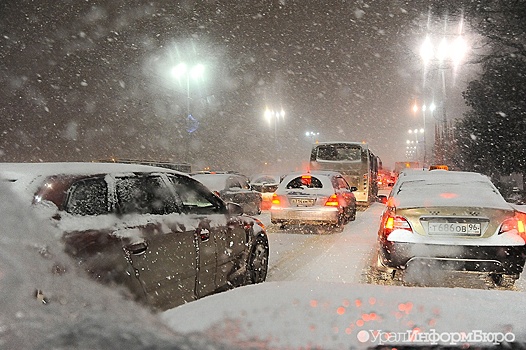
(339, 226)
(353, 215)
(380, 274)
(504, 281)
(257, 264)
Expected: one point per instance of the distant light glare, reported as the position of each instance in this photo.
(179, 70)
(426, 51)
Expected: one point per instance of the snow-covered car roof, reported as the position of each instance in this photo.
(265, 179)
(324, 176)
(217, 182)
(12, 171)
(25, 174)
(447, 188)
(312, 172)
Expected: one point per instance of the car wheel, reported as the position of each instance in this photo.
(339, 226)
(353, 215)
(257, 265)
(380, 274)
(504, 281)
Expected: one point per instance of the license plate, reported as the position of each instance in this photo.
(302, 202)
(454, 229)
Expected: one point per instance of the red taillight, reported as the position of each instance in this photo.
(395, 222)
(513, 223)
(275, 200)
(217, 193)
(332, 201)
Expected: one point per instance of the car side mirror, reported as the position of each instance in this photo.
(234, 209)
(354, 188)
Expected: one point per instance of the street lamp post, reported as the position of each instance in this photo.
(416, 141)
(445, 54)
(195, 73)
(179, 71)
(274, 116)
(312, 136)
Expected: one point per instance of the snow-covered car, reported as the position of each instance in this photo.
(233, 188)
(447, 220)
(266, 184)
(317, 197)
(158, 232)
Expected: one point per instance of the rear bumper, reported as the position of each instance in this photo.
(491, 259)
(319, 215)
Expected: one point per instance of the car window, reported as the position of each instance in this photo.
(194, 197)
(305, 181)
(341, 183)
(88, 197)
(144, 195)
(234, 184)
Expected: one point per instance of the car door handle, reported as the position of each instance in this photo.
(138, 248)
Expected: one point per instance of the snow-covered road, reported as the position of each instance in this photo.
(329, 257)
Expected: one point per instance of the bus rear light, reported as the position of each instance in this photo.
(332, 201)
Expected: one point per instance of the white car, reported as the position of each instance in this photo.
(317, 197)
(451, 220)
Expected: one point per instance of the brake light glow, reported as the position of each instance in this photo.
(332, 201)
(395, 223)
(275, 200)
(513, 223)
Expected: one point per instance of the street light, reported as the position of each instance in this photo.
(312, 135)
(196, 72)
(274, 116)
(180, 71)
(450, 51)
(416, 142)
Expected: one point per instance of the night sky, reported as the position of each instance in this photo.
(88, 80)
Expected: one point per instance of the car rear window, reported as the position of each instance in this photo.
(305, 181)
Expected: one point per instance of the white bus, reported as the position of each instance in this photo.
(355, 161)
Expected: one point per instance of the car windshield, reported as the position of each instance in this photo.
(274, 174)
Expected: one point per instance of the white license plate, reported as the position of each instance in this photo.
(454, 229)
(302, 202)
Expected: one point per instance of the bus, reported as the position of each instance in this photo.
(355, 161)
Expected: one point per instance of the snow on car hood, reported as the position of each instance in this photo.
(296, 315)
